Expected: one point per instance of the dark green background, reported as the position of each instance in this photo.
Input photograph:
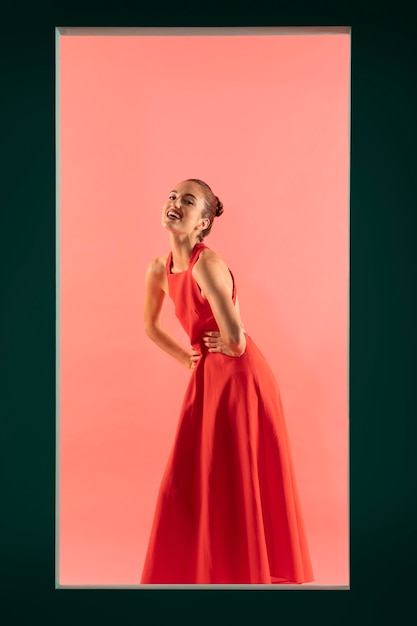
(383, 315)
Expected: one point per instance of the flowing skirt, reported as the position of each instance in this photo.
(228, 511)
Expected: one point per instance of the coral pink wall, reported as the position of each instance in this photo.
(265, 121)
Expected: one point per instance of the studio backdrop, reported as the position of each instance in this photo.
(262, 115)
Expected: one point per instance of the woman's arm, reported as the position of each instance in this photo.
(214, 279)
(155, 289)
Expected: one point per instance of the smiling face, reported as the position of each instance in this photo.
(181, 213)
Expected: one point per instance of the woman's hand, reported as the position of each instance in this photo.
(195, 356)
(213, 341)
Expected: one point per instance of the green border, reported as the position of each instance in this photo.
(383, 314)
(58, 306)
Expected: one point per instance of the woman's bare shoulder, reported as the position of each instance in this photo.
(157, 266)
(210, 258)
(209, 263)
(156, 276)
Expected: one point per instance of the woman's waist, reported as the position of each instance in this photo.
(197, 341)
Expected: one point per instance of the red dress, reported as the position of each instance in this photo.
(227, 510)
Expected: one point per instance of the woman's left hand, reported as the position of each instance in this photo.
(213, 341)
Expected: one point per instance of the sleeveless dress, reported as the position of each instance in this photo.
(227, 510)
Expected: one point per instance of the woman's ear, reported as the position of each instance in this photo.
(205, 223)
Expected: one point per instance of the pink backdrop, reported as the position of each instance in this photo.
(265, 121)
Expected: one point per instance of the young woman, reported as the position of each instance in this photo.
(228, 510)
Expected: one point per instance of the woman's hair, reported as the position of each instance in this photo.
(212, 205)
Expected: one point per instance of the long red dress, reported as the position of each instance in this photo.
(227, 510)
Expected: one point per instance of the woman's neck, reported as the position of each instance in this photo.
(182, 248)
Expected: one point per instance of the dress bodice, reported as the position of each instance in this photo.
(191, 308)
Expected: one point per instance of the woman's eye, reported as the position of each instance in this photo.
(185, 201)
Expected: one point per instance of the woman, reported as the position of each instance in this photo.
(227, 510)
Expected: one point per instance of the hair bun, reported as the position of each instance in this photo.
(219, 209)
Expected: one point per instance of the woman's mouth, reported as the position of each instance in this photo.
(173, 214)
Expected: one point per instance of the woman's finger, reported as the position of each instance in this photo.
(214, 340)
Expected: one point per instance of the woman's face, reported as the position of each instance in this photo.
(181, 213)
